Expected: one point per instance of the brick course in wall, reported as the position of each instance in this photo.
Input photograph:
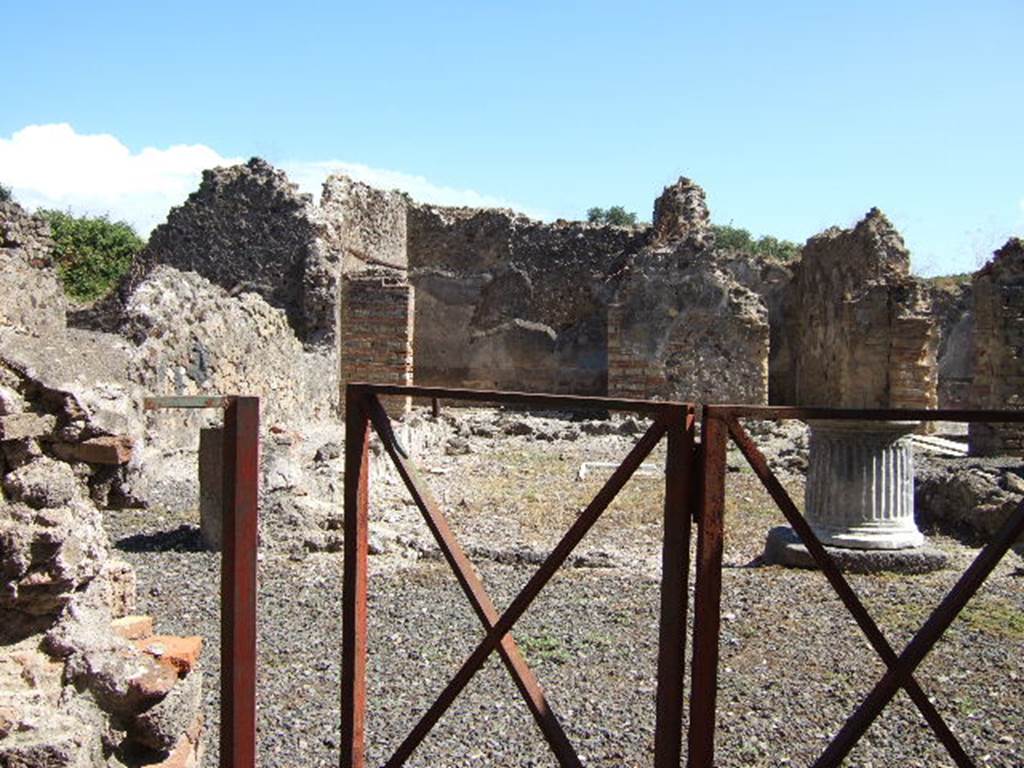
(377, 307)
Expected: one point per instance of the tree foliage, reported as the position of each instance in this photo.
(5, 194)
(616, 216)
(733, 238)
(92, 253)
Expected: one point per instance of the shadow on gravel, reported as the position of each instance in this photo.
(184, 538)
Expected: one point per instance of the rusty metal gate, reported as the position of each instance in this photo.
(723, 423)
(363, 409)
(694, 489)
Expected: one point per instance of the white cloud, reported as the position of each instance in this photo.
(310, 178)
(53, 166)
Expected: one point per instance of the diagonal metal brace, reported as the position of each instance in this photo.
(842, 587)
(473, 588)
(522, 601)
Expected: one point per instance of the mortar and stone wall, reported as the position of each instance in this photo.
(506, 302)
(998, 347)
(860, 328)
(82, 681)
(31, 300)
(248, 229)
(954, 312)
(681, 327)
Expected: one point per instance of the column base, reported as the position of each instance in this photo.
(783, 547)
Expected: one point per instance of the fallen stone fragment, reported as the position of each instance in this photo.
(111, 450)
(179, 653)
(135, 627)
(161, 726)
(21, 425)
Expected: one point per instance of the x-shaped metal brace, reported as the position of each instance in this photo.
(900, 668)
(675, 420)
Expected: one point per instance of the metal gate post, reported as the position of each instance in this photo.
(708, 591)
(675, 571)
(238, 583)
(354, 594)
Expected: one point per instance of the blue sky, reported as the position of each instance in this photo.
(794, 115)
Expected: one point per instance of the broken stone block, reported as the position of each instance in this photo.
(178, 653)
(10, 401)
(21, 425)
(47, 555)
(162, 725)
(43, 483)
(111, 450)
(117, 587)
(133, 627)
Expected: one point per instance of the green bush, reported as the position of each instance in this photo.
(736, 239)
(92, 253)
(616, 216)
(5, 194)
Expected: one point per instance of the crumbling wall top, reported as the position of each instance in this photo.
(681, 215)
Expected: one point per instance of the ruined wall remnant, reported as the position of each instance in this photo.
(31, 296)
(192, 338)
(365, 224)
(681, 216)
(247, 228)
(954, 312)
(687, 331)
(681, 327)
(861, 330)
(377, 329)
(769, 279)
(503, 301)
(362, 226)
(998, 349)
(75, 690)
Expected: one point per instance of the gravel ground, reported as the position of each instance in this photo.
(793, 664)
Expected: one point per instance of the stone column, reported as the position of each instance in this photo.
(860, 485)
(859, 500)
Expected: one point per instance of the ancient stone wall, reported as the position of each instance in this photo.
(860, 328)
(506, 302)
(954, 311)
(31, 297)
(998, 348)
(81, 680)
(362, 226)
(377, 330)
(688, 333)
(190, 337)
(769, 279)
(681, 327)
(247, 228)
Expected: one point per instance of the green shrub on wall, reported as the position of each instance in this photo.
(733, 238)
(92, 253)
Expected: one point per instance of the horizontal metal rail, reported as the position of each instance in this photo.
(801, 413)
(535, 399)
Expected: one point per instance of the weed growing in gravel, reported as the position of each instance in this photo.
(543, 648)
(995, 616)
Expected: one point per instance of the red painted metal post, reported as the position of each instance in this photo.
(238, 583)
(708, 591)
(354, 585)
(675, 571)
